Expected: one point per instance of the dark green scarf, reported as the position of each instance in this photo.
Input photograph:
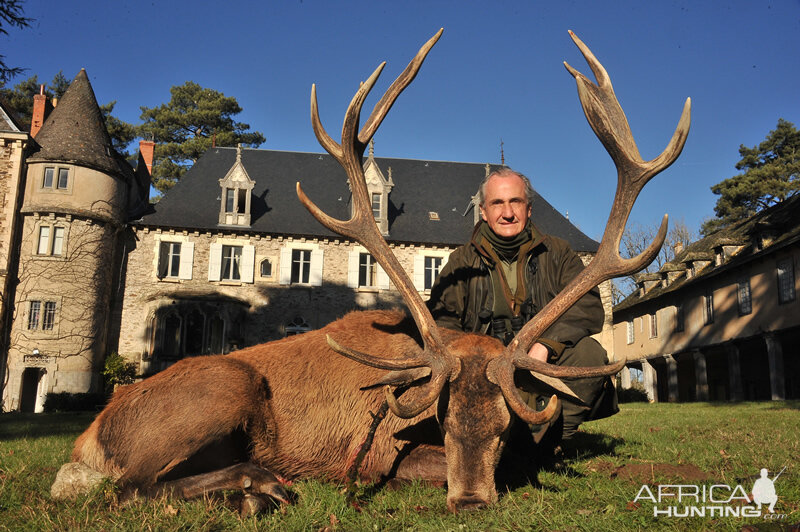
(507, 248)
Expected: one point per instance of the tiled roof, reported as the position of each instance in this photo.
(75, 132)
(421, 187)
(781, 221)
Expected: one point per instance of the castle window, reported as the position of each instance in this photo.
(231, 263)
(47, 182)
(708, 308)
(230, 198)
(631, 331)
(367, 270)
(427, 265)
(745, 299)
(266, 268)
(169, 260)
(433, 266)
(301, 266)
(33, 315)
(653, 325)
(49, 316)
(56, 177)
(376, 205)
(63, 178)
(51, 240)
(785, 280)
(297, 326)
(679, 319)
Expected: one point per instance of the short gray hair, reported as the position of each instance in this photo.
(505, 171)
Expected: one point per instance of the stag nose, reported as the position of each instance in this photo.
(467, 502)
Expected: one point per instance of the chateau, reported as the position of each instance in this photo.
(227, 258)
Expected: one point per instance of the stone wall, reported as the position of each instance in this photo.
(253, 312)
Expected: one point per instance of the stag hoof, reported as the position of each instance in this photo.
(265, 483)
(253, 504)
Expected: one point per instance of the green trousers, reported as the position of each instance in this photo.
(598, 397)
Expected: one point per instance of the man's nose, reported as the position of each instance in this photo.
(508, 212)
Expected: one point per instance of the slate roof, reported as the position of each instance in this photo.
(75, 132)
(421, 187)
(781, 222)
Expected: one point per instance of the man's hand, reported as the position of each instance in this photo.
(539, 352)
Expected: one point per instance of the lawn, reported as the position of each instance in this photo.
(693, 444)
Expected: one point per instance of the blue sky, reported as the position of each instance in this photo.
(496, 74)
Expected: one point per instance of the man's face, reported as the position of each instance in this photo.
(505, 207)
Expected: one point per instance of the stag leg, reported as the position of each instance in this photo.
(259, 486)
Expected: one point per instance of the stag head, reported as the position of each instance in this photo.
(468, 377)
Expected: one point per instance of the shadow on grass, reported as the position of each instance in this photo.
(523, 460)
(16, 425)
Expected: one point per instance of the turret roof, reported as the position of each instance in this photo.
(75, 131)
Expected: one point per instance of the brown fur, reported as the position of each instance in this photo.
(302, 411)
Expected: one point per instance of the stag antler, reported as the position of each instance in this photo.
(362, 227)
(608, 121)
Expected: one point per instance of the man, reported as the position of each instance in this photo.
(505, 275)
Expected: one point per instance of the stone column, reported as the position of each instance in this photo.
(775, 357)
(734, 373)
(650, 381)
(625, 378)
(700, 376)
(672, 378)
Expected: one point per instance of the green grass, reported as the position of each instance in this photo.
(651, 443)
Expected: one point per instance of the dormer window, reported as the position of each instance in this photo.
(379, 187)
(237, 188)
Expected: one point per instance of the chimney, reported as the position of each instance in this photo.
(40, 111)
(146, 149)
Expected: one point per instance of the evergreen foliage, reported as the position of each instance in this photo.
(771, 173)
(185, 127)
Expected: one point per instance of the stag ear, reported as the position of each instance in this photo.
(400, 377)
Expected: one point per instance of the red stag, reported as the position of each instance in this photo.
(297, 408)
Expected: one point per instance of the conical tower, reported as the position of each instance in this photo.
(76, 200)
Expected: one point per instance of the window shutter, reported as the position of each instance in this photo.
(285, 276)
(315, 276)
(214, 262)
(383, 279)
(187, 257)
(352, 269)
(248, 263)
(419, 272)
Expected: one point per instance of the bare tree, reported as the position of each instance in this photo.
(636, 239)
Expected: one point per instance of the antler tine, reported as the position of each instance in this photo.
(608, 121)
(361, 225)
(381, 108)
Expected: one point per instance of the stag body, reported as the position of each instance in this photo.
(295, 408)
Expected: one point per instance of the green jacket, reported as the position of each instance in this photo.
(463, 290)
